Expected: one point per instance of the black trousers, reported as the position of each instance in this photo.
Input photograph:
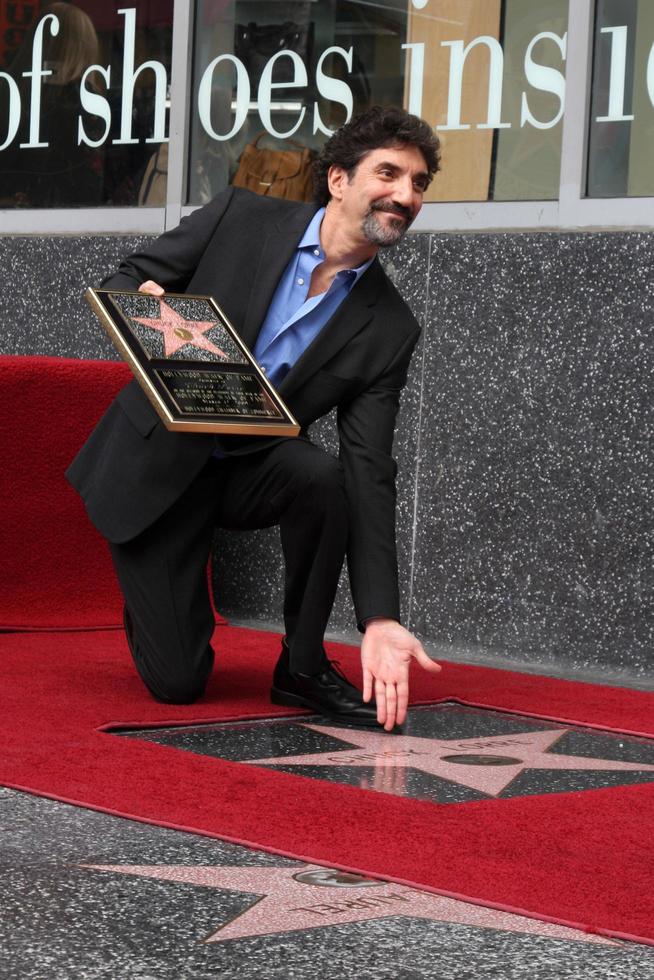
(162, 572)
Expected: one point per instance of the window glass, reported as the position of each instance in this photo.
(527, 160)
(84, 98)
(622, 105)
(273, 78)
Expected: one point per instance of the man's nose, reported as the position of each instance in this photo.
(404, 192)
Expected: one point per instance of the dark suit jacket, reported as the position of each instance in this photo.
(236, 248)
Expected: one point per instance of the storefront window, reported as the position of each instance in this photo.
(622, 105)
(527, 153)
(272, 80)
(84, 98)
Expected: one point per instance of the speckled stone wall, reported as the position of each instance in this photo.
(41, 300)
(524, 441)
(535, 484)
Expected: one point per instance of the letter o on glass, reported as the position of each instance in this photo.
(242, 96)
(14, 110)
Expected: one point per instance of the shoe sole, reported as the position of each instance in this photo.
(288, 700)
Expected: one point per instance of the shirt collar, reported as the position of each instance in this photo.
(311, 236)
(311, 239)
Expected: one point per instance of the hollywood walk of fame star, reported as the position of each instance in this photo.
(177, 331)
(487, 764)
(311, 897)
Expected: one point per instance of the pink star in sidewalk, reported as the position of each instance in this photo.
(177, 331)
(311, 897)
(487, 764)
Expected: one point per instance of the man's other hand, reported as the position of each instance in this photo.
(153, 288)
(386, 653)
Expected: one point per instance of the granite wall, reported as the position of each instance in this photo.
(524, 439)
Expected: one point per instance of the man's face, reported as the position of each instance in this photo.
(383, 195)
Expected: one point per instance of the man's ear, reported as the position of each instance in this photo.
(336, 177)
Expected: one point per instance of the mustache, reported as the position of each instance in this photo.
(398, 209)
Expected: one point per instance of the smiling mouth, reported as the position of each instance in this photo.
(405, 216)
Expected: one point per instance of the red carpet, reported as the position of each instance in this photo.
(50, 405)
(584, 859)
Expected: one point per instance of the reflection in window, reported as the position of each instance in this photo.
(84, 96)
(271, 80)
(527, 160)
(274, 79)
(622, 105)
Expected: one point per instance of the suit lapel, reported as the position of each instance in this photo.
(352, 316)
(275, 255)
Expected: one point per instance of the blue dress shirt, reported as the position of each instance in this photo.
(293, 321)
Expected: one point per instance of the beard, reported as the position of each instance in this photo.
(387, 233)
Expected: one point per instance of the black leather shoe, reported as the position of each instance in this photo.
(327, 693)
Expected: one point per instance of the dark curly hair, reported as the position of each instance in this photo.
(377, 127)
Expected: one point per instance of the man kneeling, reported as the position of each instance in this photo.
(304, 287)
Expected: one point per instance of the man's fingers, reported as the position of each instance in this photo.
(425, 661)
(391, 719)
(391, 707)
(402, 702)
(152, 288)
(380, 697)
(386, 653)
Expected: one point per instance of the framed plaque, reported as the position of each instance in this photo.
(191, 363)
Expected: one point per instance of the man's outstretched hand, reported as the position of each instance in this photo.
(386, 653)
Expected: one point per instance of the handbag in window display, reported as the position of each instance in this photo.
(276, 173)
(255, 44)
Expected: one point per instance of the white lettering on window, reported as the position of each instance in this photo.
(14, 110)
(650, 75)
(332, 89)
(36, 73)
(266, 86)
(545, 80)
(130, 74)
(216, 104)
(242, 96)
(617, 78)
(95, 104)
(458, 55)
(416, 74)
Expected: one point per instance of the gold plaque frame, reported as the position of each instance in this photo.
(192, 365)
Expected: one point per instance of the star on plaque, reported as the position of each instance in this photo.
(177, 331)
(312, 897)
(487, 764)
